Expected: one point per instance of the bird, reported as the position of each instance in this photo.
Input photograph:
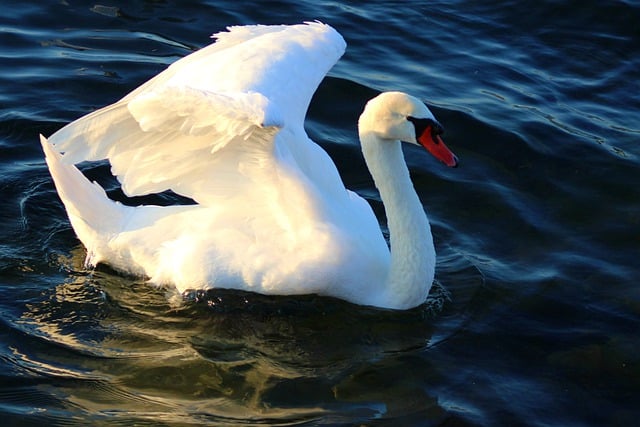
(224, 126)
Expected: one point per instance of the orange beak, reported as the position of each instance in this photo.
(435, 145)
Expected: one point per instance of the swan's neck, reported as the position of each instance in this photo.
(412, 253)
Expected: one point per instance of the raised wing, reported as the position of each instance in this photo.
(204, 122)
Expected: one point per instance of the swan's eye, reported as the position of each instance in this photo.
(421, 125)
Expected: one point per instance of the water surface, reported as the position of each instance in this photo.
(535, 316)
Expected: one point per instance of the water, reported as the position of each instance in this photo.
(534, 320)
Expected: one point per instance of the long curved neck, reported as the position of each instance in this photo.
(412, 265)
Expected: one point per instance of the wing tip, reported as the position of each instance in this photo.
(234, 34)
(49, 152)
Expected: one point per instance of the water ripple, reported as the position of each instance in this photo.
(535, 313)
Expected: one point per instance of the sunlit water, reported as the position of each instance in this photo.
(535, 316)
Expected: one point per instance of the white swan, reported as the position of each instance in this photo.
(224, 126)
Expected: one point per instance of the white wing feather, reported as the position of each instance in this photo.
(208, 123)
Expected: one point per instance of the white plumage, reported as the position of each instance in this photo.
(224, 126)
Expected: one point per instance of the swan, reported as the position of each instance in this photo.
(224, 127)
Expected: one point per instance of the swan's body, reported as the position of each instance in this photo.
(224, 126)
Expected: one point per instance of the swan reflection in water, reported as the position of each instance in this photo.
(110, 342)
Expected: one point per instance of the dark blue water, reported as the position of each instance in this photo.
(535, 319)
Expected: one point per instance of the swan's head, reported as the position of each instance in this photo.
(396, 116)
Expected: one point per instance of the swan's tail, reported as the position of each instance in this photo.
(95, 218)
